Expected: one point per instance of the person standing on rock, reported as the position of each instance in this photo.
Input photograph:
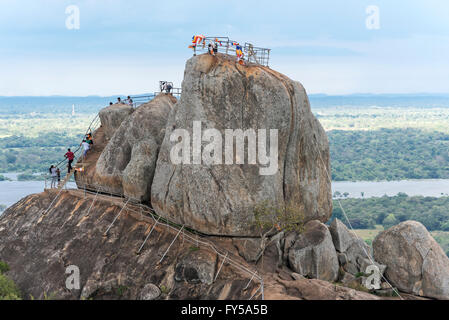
(54, 176)
(70, 156)
(90, 141)
(86, 147)
(210, 48)
(168, 87)
(163, 86)
(58, 174)
(129, 101)
(239, 53)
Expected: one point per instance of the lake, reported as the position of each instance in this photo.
(424, 187)
(13, 191)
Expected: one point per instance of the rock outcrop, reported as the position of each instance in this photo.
(128, 161)
(39, 248)
(313, 254)
(415, 262)
(219, 198)
(112, 117)
(354, 255)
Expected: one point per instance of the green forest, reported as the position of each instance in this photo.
(366, 143)
(432, 212)
(389, 154)
(386, 154)
(371, 215)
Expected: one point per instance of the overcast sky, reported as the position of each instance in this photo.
(126, 46)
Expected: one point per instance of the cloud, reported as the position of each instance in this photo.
(127, 46)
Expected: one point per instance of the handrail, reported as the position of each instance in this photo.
(92, 127)
(253, 54)
(141, 99)
(191, 236)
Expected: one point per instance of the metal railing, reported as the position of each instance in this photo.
(191, 236)
(141, 99)
(62, 165)
(252, 54)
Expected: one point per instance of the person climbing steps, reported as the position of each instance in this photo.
(69, 156)
(58, 174)
(90, 141)
(86, 147)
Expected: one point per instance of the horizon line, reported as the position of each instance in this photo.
(359, 94)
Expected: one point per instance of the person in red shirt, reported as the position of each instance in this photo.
(70, 156)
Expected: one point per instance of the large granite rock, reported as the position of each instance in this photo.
(39, 248)
(112, 117)
(219, 198)
(313, 255)
(354, 255)
(127, 163)
(415, 262)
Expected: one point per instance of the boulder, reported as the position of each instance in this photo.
(415, 262)
(112, 117)
(249, 248)
(127, 163)
(341, 236)
(313, 255)
(354, 254)
(197, 266)
(150, 292)
(218, 197)
(312, 289)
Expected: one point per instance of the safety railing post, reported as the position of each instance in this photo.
(113, 221)
(149, 234)
(177, 235)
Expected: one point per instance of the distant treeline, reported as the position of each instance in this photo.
(387, 211)
(389, 154)
(386, 154)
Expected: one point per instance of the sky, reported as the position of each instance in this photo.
(127, 46)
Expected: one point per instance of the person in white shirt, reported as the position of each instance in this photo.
(54, 177)
(86, 147)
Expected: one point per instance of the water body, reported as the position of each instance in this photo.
(13, 191)
(424, 187)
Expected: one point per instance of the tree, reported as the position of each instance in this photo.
(8, 289)
(389, 221)
(269, 218)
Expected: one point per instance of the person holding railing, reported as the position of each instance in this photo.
(69, 156)
(58, 174)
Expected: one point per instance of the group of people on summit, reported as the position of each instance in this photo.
(127, 101)
(214, 44)
(165, 86)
